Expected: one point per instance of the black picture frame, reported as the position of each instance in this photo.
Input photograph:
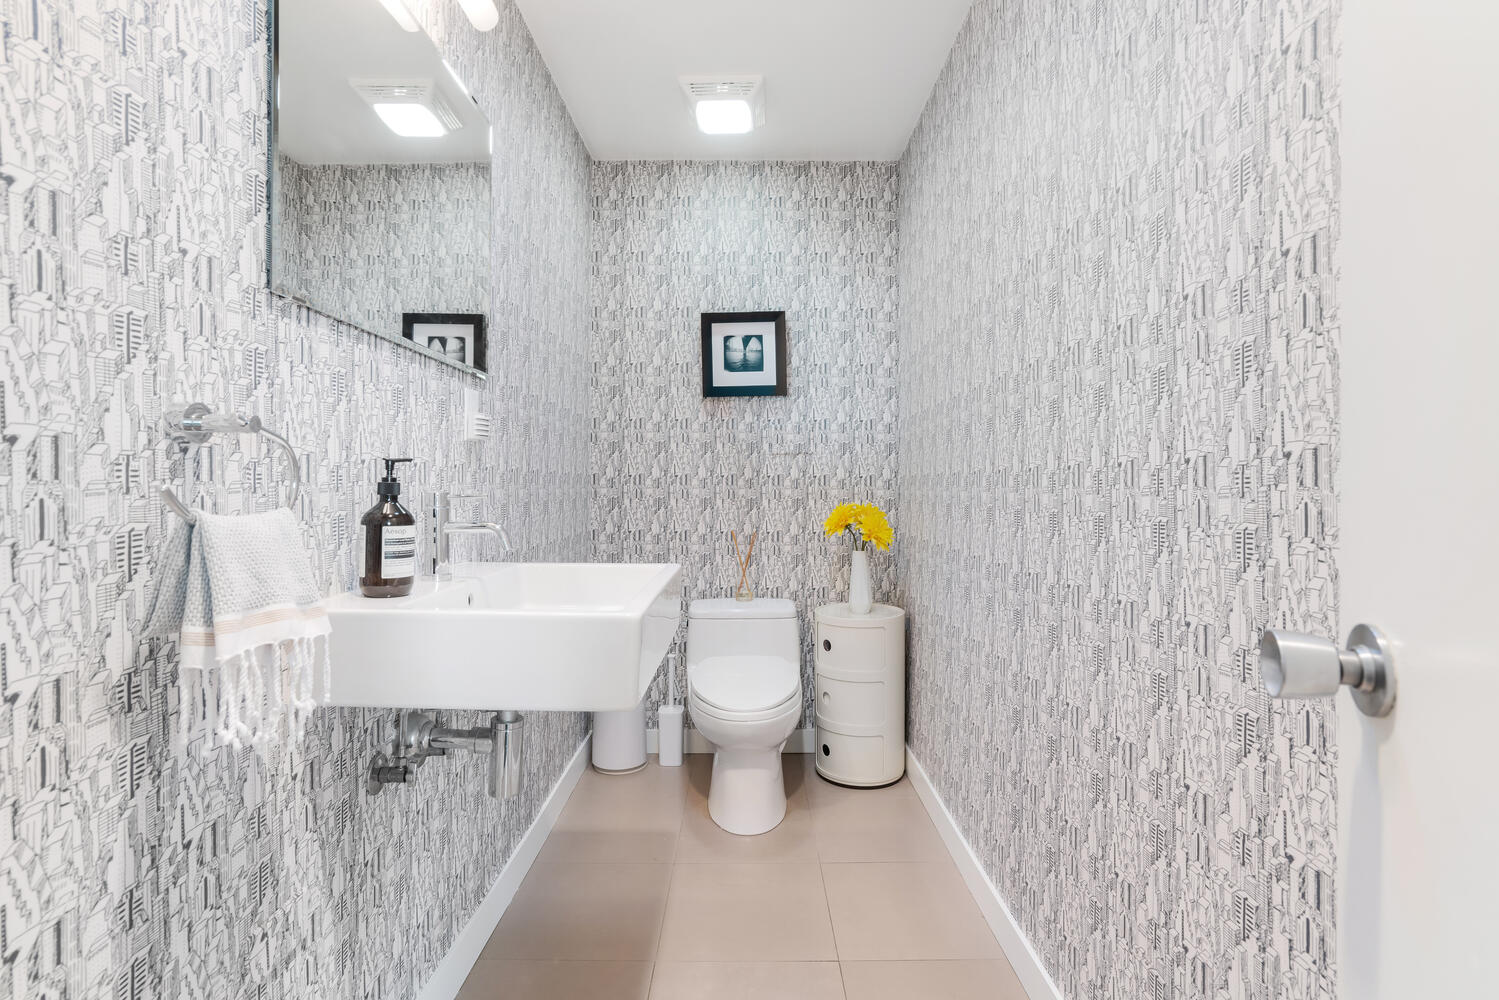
(715, 341)
(466, 325)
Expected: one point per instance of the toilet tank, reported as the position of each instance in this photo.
(766, 626)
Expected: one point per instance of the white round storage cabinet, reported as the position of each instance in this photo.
(861, 695)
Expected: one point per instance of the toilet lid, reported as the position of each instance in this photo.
(744, 683)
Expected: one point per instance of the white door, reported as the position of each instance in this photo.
(1418, 863)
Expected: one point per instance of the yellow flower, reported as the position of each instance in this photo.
(866, 522)
(841, 517)
(874, 526)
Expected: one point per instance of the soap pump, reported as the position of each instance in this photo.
(389, 540)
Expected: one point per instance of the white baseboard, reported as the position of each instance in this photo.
(801, 741)
(1017, 947)
(447, 979)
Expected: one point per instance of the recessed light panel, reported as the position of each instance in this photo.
(732, 117)
(410, 121)
(482, 14)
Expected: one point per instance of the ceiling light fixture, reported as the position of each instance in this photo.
(483, 14)
(731, 117)
(398, 10)
(725, 105)
(410, 121)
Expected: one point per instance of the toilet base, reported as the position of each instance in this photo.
(747, 792)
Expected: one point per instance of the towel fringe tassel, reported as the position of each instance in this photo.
(256, 696)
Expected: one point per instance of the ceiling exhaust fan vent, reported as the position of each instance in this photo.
(714, 92)
(711, 88)
(410, 92)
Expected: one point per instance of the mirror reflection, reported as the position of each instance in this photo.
(380, 196)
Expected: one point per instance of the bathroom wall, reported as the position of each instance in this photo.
(1118, 349)
(132, 156)
(674, 473)
(368, 243)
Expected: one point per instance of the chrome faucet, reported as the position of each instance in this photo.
(443, 527)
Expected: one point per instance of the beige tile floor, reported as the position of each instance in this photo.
(637, 895)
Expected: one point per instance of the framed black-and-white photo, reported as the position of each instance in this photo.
(459, 336)
(744, 354)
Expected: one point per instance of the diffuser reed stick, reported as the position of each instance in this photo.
(743, 593)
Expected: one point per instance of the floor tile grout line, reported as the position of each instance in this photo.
(827, 902)
(671, 879)
(809, 774)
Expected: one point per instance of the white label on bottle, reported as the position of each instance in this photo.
(398, 551)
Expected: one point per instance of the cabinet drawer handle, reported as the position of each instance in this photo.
(827, 645)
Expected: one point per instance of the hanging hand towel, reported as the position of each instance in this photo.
(239, 592)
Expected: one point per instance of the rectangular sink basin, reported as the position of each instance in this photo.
(565, 637)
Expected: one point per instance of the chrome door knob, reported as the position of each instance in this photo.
(1294, 665)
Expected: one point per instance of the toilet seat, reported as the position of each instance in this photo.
(744, 688)
(792, 704)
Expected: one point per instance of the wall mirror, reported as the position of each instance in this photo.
(380, 196)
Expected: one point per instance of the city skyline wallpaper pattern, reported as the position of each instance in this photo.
(132, 230)
(367, 243)
(1118, 361)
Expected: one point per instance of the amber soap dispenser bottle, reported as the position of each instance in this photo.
(389, 541)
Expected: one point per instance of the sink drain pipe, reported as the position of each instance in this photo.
(507, 732)
(420, 737)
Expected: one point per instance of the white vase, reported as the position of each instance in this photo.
(859, 601)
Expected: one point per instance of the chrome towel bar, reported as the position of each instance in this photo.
(197, 423)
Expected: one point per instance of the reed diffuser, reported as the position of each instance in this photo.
(743, 592)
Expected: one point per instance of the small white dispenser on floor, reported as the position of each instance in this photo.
(669, 720)
(861, 695)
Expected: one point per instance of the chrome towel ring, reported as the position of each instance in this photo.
(197, 423)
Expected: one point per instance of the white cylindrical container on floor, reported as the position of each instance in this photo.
(619, 740)
(860, 693)
(670, 732)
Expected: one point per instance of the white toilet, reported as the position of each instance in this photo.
(744, 687)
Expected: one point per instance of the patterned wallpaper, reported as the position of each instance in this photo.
(673, 472)
(368, 243)
(1118, 407)
(132, 157)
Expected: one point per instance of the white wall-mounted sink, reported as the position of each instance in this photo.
(571, 637)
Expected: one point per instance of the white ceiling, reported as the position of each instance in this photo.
(844, 79)
(320, 46)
